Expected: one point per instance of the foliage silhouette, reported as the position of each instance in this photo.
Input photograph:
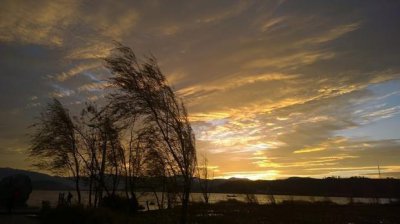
(142, 131)
(143, 89)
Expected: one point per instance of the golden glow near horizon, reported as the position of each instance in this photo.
(274, 89)
(252, 175)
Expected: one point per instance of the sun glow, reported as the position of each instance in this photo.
(252, 175)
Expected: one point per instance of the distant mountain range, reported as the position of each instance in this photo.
(343, 187)
(40, 181)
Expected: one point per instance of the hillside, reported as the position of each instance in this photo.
(341, 187)
(40, 181)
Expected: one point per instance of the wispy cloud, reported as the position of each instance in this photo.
(307, 150)
(76, 71)
(331, 34)
(41, 22)
(290, 61)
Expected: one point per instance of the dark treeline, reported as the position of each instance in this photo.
(340, 187)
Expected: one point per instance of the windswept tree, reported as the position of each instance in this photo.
(54, 142)
(134, 160)
(204, 179)
(141, 87)
(103, 156)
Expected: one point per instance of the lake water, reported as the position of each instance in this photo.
(36, 198)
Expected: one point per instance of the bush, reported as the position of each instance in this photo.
(119, 203)
(251, 199)
(80, 215)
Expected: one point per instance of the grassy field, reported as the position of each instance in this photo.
(233, 212)
(237, 212)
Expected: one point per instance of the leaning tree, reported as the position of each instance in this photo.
(142, 88)
(54, 142)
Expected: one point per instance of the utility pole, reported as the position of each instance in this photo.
(379, 171)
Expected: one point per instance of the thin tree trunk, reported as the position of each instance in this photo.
(102, 170)
(90, 190)
(184, 213)
(185, 202)
(78, 190)
(77, 179)
(96, 196)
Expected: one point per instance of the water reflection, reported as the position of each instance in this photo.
(37, 197)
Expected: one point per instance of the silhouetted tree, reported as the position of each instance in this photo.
(104, 157)
(55, 144)
(140, 141)
(204, 179)
(141, 87)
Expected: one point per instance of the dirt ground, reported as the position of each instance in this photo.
(18, 219)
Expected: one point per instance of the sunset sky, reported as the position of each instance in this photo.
(274, 88)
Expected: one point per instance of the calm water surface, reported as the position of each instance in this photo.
(36, 198)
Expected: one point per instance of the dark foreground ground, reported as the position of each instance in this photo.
(224, 212)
